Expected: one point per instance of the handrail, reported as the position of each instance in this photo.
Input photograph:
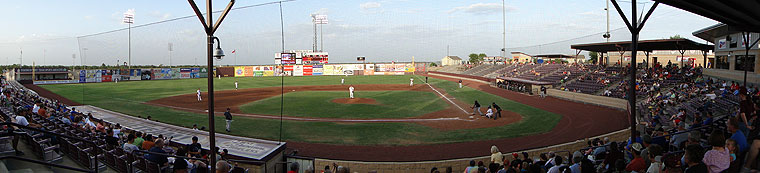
(45, 163)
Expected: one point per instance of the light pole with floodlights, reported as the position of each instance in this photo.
(210, 27)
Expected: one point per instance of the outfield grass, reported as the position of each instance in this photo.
(127, 97)
(391, 104)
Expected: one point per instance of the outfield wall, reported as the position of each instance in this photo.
(112, 75)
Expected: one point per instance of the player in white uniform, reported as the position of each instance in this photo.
(341, 80)
(199, 94)
(351, 91)
(236, 85)
(411, 81)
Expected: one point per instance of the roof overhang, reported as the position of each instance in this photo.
(644, 45)
(551, 56)
(741, 15)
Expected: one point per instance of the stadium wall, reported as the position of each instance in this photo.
(460, 164)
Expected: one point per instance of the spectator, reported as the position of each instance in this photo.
(646, 140)
(693, 159)
(129, 147)
(148, 143)
(222, 167)
(654, 155)
(157, 158)
(293, 167)
(138, 139)
(736, 134)
(637, 164)
(471, 168)
(613, 155)
(327, 169)
(496, 156)
(559, 164)
(194, 149)
(577, 158)
(718, 158)
(111, 140)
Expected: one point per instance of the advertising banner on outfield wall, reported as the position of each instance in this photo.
(162, 73)
(184, 73)
(195, 73)
(308, 70)
(297, 70)
(135, 74)
(316, 70)
(176, 73)
(239, 71)
(93, 76)
(248, 71)
(106, 75)
(203, 73)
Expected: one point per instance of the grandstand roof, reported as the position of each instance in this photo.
(741, 15)
(712, 32)
(644, 45)
(550, 56)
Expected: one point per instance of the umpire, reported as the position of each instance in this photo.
(228, 118)
(498, 110)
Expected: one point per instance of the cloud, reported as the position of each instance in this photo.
(159, 15)
(88, 17)
(481, 8)
(592, 13)
(370, 5)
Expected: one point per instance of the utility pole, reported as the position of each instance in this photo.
(504, 22)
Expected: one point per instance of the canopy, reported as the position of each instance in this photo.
(741, 15)
(644, 45)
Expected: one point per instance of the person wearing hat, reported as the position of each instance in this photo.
(637, 164)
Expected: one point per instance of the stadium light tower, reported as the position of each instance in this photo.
(210, 27)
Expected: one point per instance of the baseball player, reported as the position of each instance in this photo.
(199, 94)
(351, 91)
(228, 119)
(411, 81)
(341, 81)
(460, 83)
(236, 85)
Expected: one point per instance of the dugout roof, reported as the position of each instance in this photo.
(741, 15)
(644, 45)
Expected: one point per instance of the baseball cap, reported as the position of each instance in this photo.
(637, 147)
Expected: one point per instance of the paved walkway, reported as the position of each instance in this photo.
(239, 146)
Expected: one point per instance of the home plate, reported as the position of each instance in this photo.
(471, 117)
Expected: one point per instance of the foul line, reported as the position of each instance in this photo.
(439, 93)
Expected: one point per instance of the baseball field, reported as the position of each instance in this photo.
(388, 110)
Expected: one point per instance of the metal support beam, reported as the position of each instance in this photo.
(210, 60)
(635, 28)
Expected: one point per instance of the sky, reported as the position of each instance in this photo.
(50, 32)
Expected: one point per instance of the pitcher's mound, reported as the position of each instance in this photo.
(355, 101)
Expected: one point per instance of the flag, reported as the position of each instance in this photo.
(233, 51)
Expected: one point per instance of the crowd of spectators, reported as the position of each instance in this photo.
(33, 111)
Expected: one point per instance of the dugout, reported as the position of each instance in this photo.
(27, 75)
(521, 85)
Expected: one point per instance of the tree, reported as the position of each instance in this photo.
(676, 37)
(474, 58)
(481, 56)
(594, 56)
(432, 64)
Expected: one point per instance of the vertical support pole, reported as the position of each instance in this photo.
(632, 81)
(210, 79)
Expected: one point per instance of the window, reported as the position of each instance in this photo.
(741, 62)
(721, 62)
